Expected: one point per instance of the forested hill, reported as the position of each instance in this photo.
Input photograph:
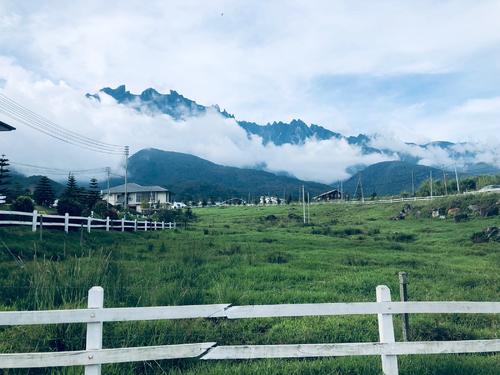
(190, 177)
(391, 178)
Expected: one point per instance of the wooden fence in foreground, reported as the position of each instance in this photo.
(39, 221)
(94, 316)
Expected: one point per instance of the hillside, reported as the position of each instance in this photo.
(191, 177)
(391, 178)
(19, 182)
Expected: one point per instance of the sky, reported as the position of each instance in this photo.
(413, 71)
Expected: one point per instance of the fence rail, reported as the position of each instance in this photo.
(95, 315)
(38, 221)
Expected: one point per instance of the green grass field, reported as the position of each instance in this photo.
(258, 255)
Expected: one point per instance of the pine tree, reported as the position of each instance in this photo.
(44, 195)
(71, 191)
(4, 175)
(93, 194)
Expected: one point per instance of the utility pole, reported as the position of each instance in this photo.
(413, 182)
(445, 185)
(341, 190)
(456, 178)
(304, 203)
(126, 177)
(108, 172)
(361, 187)
(308, 209)
(430, 173)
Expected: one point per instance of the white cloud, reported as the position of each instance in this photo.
(211, 136)
(257, 59)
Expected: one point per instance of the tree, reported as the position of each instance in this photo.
(4, 175)
(23, 203)
(70, 206)
(44, 195)
(71, 191)
(289, 199)
(93, 194)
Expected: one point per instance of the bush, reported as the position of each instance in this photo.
(278, 258)
(102, 210)
(403, 237)
(23, 203)
(70, 206)
(460, 218)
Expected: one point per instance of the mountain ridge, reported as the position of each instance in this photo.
(296, 132)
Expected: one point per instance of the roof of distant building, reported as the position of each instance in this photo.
(135, 188)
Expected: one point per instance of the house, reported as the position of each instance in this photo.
(330, 195)
(5, 127)
(138, 196)
(265, 199)
(178, 205)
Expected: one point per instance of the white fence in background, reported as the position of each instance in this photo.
(37, 220)
(94, 316)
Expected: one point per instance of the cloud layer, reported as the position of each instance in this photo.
(411, 71)
(210, 136)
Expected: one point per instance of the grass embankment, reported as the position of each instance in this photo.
(258, 255)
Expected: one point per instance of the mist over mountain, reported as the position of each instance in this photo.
(442, 154)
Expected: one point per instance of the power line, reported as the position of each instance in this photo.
(51, 170)
(39, 123)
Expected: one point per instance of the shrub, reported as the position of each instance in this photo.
(460, 218)
(403, 237)
(23, 203)
(479, 237)
(103, 210)
(70, 206)
(278, 258)
(352, 231)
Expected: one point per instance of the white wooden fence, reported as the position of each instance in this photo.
(38, 220)
(94, 316)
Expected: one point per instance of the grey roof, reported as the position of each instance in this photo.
(5, 127)
(134, 188)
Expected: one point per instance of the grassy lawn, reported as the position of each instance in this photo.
(258, 255)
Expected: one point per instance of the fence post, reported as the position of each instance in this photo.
(35, 219)
(66, 222)
(403, 293)
(155, 225)
(386, 332)
(89, 224)
(107, 224)
(145, 225)
(94, 329)
(123, 224)
(135, 225)
(163, 225)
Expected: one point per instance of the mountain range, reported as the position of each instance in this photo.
(295, 132)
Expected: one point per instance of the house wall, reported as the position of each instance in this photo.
(162, 197)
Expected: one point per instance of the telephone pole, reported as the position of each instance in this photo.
(304, 203)
(108, 172)
(430, 173)
(126, 177)
(456, 178)
(308, 209)
(413, 182)
(445, 185)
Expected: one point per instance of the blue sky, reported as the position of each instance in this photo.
(415, 71)
(352, 66)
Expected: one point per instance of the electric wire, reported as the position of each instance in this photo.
(12, 104)
(36, 122)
